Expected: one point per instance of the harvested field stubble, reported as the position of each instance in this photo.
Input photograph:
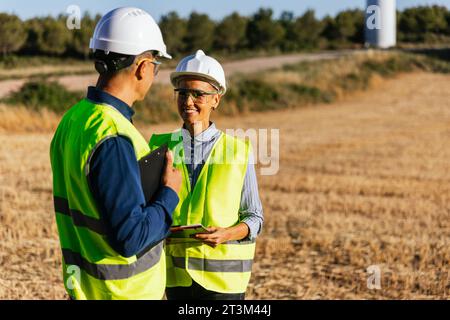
(362, 182)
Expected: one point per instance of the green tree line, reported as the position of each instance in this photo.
(262, 31)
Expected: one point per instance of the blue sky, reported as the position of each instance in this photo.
(215, 9)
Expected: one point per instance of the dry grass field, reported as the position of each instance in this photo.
(364, 181)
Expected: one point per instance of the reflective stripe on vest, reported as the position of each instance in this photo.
(214, 265)
(103, 273)
(114, 271)
(79, 219)
(214, 201)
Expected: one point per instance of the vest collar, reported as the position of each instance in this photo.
(103, 97)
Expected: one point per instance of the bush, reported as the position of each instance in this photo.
(310, 95)
(252, 94)
(355, 81)
(41, 94)
(389, 67)
(9, 61)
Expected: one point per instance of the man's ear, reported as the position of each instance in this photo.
(141, 70)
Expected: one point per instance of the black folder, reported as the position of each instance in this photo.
(151, 167)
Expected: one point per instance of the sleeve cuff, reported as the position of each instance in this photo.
(169, 198)
(252, 233)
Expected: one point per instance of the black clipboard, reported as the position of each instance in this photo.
(152, 167)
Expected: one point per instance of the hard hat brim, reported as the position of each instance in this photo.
(165, 55)
(175, 76)
(124, 48)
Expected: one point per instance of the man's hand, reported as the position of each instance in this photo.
(171, 177)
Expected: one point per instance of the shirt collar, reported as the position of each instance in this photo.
(205, 136)
(99, 96)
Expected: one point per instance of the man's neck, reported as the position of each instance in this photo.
(121, 92)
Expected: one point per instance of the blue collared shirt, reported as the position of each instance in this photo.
(115, 183)
(197, 150)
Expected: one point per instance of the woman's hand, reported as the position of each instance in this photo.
(216, 236)
(220, 235)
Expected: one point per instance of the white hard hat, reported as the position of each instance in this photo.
(128, 31)
(203, 66)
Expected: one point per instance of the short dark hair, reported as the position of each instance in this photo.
(113, 63)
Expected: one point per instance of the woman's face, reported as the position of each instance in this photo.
(196, 99)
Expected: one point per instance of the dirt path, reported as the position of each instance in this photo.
(81, 82)
(364, 182)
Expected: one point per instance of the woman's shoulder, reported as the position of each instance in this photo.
(159, 139)
(236, 139)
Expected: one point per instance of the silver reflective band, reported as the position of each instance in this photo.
(240, 242)
(79, 219)
(114, 271)
(214, 265)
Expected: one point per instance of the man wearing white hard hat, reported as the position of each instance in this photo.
(219, 191)
(111, 239)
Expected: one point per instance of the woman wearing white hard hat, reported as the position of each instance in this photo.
(219, 191)
(111, 239)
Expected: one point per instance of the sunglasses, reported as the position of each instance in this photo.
(198, 96)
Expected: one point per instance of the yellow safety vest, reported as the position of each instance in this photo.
(214, 201)
(92, 269)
